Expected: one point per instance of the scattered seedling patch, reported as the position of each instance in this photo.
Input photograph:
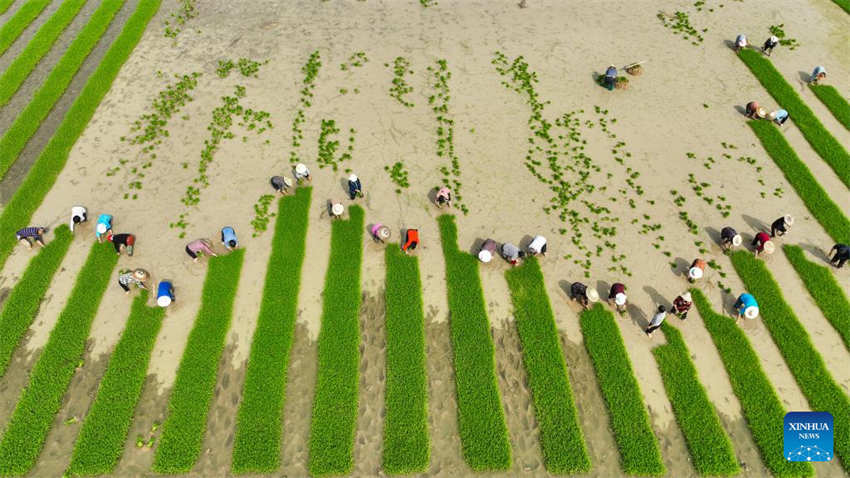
(328, 145)
(439, 102)
(185, 12)
(311, 71)
(398, 175)
(400, 88)
(680, 24)
(247, 67)
(263, 213)
(356, 60)
(779, 32)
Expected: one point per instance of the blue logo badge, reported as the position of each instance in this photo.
(808, 436)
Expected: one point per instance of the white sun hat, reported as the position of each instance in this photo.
(592, 295)
(485, 256)
(772, 115)
(384, 232)
(101, 228)
(751, 312)
(620, 299)
(163, 301)
(337, 209)
(736, 241)
(353, 178)
(300, 168)
(695, 273)
(769, 247)
(140, 274)
(761, 112)
(686, 297)
(789, 219)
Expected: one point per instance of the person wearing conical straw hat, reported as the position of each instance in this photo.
(617, 296)
(729, 238)
(103, 227)
(657, 320)
(781, 225)
(747, 306)
(818, 74)
(127, 277)
(583, 295)
(842, 255)
(79, 215)
(354, 187)
(198, 247)
(301, 173)
(779, 116)
(681, 305)
(336, 209)
(769, 45)
(487, 251)
(165, 293)
(121, 242)
(754, 111)
(740, 42)
(697, 270)
(444, 197)
(380, 233)
(511, 253)
(762, 243)
(281, 184)
(411, 240)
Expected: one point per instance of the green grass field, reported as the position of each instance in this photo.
(21, 307)
(561, 439)
(708, 443)
(796, 347)
(100, 443)
(638, 446)
(832, 99)
(259, 422)
(12, 29)
(4, 5)
(761, 406)
(40, 400)
(813, 130)
(818, 201)
(189, 403)
(406, 443)
(481, 419)
(28, 120)
(43, 173)
(824, 289)
(337, 388)
(41, 43)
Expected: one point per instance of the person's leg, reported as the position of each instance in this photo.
(125, 287)
(25, 241)
(841, 262)
(130, 250)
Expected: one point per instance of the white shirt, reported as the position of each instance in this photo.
(302, 176)
(659, 317)
(537, 244)
(77, 211)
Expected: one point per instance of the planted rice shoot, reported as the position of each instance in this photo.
(406, 443)
(183, 430)
(639, 453)
(28, 121)
(816, 199)
(42, 397)
(100, 443)
(813, 130)
(561, 439)
(796, 347)
(259, 423)
(4, 5)
(21, 307)
(832, 99)
(336, 400)
(35, 50)
(481, 420)
(43, 173)
(708, 443)
(14, 26)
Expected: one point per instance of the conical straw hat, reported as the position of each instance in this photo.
(300, 168)
(592, 295)
(789, 219)
(769, 247)
(163, 301)
(695, 273)
(384, 232)
(751, 312)
(101, 228)
(485, 256)
(761, 112)
(620, 299)
(337, 209)
(353, 178)
(140, 274)
(687, 297)
(737, 240)
(287, 181)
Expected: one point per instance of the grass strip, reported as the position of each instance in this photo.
(639, 453)
(43, 173)
(189, 403)
(13, 27)
(259, 422)
(824, 289)
(28, 121)
(49, 379)
(813, 130)
(796, 347)
(818, 201)
(336, 400)
(834, 102)
(561, 439)
(35, 50)
(406, 444)
(4, 5)
(23, 302)
(708, 443)
(481, 419)
(761, 406)
(101, 441)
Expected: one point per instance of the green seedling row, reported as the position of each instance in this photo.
(406, 444)
(796, 347)
(337, 387)
(817, 200)
(42, 397)
(832, 99)
(564, 449)
(28, 121)
(189, 403)
(823, 287)
(104, 432)
(23, 302)
(4, 5)
(708, 443)
(813, 130)
(14, 26)
(35, 50)
(761, 406)
(639, 453)
(259, 423)
(481, 419)
(43, 173)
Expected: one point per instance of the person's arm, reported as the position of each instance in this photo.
(207, 249)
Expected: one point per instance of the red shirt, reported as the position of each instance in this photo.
(617, 288)
(761, 238)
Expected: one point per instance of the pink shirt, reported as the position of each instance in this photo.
(199, 246)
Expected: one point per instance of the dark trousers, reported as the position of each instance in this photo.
(652, 328)
(125, 287)
(838, 261)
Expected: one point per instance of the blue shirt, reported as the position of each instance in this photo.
(164, 290)
(745, 301)
(781, 115)
(227, 235)
(104, 219)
